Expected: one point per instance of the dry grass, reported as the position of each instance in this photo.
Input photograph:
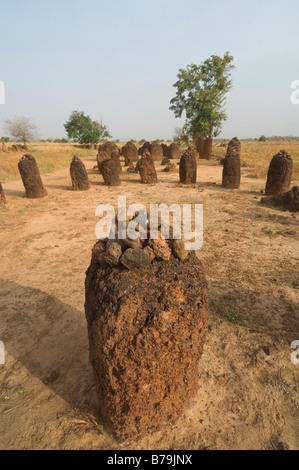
(256, 157)
(49, 157)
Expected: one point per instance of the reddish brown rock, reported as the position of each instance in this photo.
(102, 156)
(147, 170)
(156, 151)
(108, 148)
(146, 147)
(188, 168)
(231, 177)
(173, 151)
(234, 146)
(165, 161)
(31, 178)
(130, 152)
(171, 168)
(2, 196)
(165, 150)
(279, 174)
(200, 147)
(208, 149)
(115, 157)
(194, 152)
(109, 173)
(146, 330)
(288, 201)
(79, 177)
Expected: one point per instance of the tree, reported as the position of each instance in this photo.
(201, 94)
(83, 129)
(263, 138)
(21, 129)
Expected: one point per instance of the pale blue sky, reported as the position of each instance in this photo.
(117, 60)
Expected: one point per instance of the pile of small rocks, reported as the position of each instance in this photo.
(136, 254)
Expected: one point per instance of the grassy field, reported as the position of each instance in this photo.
(49, 157)
(256, 157)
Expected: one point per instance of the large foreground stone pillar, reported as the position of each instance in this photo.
(146, 329)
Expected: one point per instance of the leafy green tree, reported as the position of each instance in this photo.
(263, 138)
(83, 129)
(201, 94)
(5, 139)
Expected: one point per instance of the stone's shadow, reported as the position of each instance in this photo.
(59, 186)
(49, 338)
(14, 192)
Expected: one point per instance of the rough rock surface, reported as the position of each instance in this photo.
(146, 331)
(31, 178)
(173, 151)
(109, 173)
(165, 161)
(288, 201)
(130, 152)
(102, 156)
(208, 149)
(147, 170)
(171, 168)
(2, 196)
(108, 148)
(115, 157)
(234, 146)
(188, 168)
(146, 147)
(231, 177)
(194, 152)
(156, 151)
(279, 174)
(79, 177)
(165, 150)
(200, 147)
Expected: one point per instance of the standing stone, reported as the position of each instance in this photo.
(234, 146)
(156, 151)
(110, 174)
(188, 169)
(79, 177)
(108, 148)
(101, 157)
(147, 170)
(207, 153)
(288, 201)
(173, 151)
(165, 150)
(130, 152)
(279, 174)
(116, 159)
(194, 152)
(2, 196)
(146, 147)
(200, 147)
(146, 336)
(231, 177)
(31, 178)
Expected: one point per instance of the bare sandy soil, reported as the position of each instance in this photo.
(249, 389)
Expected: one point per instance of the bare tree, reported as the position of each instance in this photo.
(21, 129)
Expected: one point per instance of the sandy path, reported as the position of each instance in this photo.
(248, 399)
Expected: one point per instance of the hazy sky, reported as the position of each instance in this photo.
(118, 59)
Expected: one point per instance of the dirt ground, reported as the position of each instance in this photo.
(249, 389)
